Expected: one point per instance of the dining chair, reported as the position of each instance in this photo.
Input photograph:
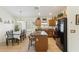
(9, 36)
(23, 35)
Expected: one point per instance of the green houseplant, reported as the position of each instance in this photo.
(16, 27)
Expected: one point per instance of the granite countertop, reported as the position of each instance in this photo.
(43, 33)
(39, 33)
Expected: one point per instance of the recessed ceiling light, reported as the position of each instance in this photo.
(50, 13)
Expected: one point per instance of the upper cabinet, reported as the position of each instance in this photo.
(52, 22)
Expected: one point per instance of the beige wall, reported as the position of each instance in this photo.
(73, 38)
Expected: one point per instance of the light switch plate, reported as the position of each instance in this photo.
(72, 31)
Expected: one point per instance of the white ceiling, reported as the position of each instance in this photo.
(32, 11)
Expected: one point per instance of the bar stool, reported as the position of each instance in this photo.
(31, 41)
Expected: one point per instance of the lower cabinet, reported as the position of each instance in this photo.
(41, 43)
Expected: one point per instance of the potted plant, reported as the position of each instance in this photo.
(16, 27)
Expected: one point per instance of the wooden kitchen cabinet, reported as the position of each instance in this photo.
(49, 32)
(52, 22)
(41, 44)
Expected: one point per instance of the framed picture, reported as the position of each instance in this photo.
(77, 19)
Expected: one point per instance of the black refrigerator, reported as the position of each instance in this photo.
(62, 30)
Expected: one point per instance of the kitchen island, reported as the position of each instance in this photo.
(41, 42)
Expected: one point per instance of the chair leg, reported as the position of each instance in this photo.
(12, 42)
(17, 41)
(21, 40)
(29, 45)
(7, 42)
(22, 37)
